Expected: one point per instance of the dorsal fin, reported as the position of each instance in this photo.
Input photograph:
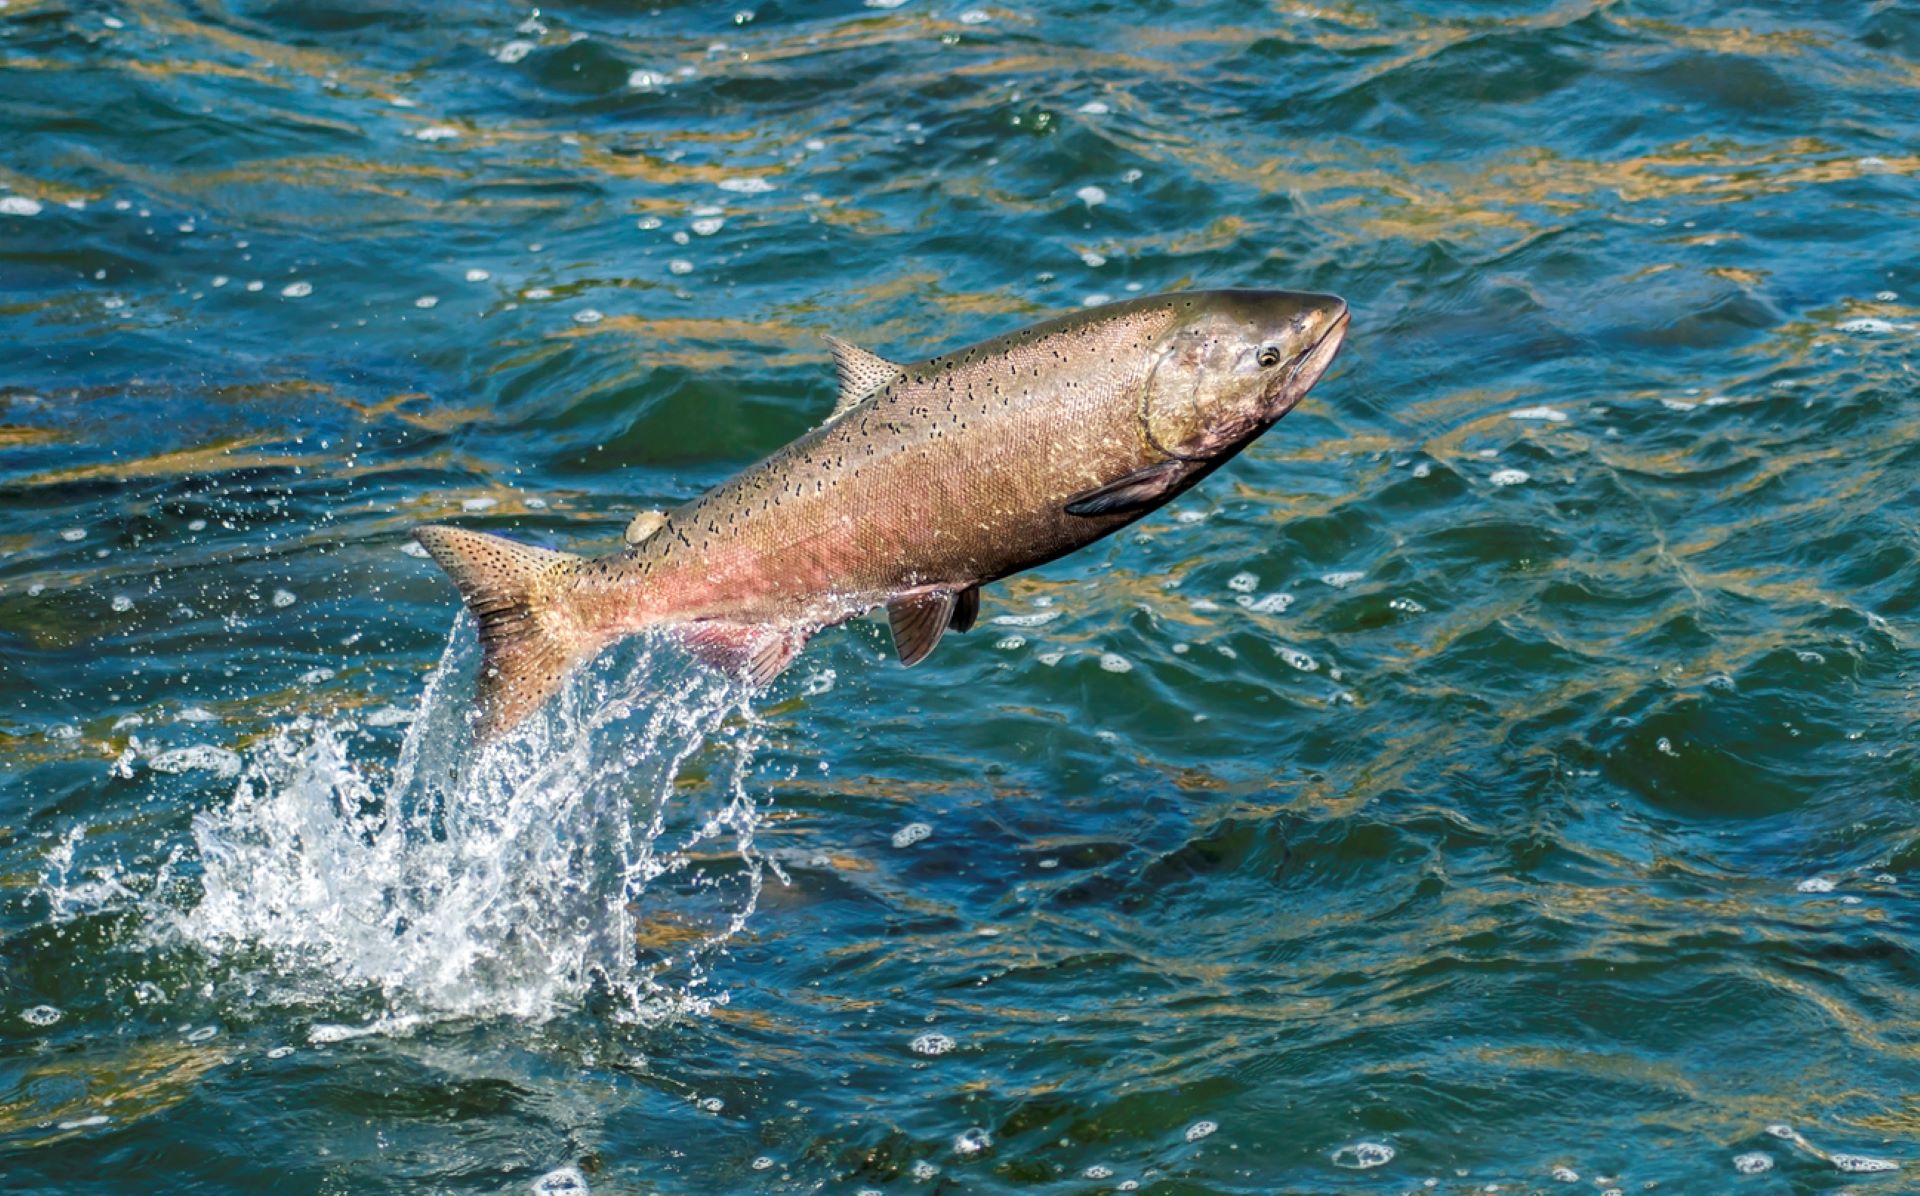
(645, 524)
(918, 622)
(861, 373)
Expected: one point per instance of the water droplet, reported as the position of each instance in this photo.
(283, 598)
(122, 603)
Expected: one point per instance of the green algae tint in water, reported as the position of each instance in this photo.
(1502, 774)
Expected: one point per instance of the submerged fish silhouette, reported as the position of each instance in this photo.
(925, 483)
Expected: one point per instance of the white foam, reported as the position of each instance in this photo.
(1815, 884)
(1091, 196)
(19, 205)
(196, 758)
(587, 315)
(42, 1015)
(931, 1044)
(1113, 662)
(911, 833)
(1036, 619)
(1753, 1163)
(1343, 579)
(564, 1181)
(1867, 326)
(706, 226)
(479, 504)
(1861, 1164)
(1546, 414)
(746, 185)
(884, 3)
(436, 133)
(73, 535)
(1363, 1156)
(680, 265)
(284, 598)
(645, 80)
(1094, 108)
(972, 1141)
(1201, 1129)
(477, 275)
(427, 301)
(1509, 477)
(513, 52)
(297, 290)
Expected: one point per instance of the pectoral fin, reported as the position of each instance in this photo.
(1139, 490)
(918, 621)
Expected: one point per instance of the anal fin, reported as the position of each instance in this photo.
(1143, 488)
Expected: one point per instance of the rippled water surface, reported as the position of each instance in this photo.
(1503, 774)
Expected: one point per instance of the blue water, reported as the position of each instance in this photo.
(1503, 774)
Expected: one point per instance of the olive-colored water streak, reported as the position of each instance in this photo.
(1502, 772)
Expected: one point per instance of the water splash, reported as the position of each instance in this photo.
(605, 852)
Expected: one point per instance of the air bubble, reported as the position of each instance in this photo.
(972, 1141)
(1753, 1163)
(1201, 1129)
(42, 1015)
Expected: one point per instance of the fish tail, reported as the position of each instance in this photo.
(530, 633)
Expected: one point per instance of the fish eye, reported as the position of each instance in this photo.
(1269, 357)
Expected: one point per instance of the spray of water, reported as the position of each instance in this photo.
(605, 852)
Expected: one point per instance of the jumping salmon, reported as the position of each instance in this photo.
(925, 483)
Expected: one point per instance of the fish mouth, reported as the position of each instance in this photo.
(1313, 361)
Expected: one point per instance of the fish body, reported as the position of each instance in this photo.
(928, 481)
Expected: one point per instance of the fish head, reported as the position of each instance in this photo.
(1232, 363)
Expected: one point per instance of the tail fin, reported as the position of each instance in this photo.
(528, 629)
